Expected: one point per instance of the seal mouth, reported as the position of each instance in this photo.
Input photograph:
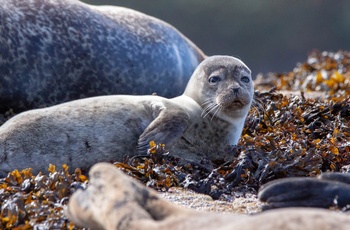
(236, 103)
(233, 105)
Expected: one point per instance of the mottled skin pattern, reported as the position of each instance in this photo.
(115, 201)
(53, 51)
(202, 122)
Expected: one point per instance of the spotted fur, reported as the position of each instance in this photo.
(53, 51)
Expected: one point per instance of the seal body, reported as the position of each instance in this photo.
(198, 124)
(53, 51)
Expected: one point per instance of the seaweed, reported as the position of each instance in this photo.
(29, 201)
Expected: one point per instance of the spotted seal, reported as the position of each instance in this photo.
(198, 124)
(53, 51)
(115, 201)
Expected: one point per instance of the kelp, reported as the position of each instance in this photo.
(29, 201)
(327, 72)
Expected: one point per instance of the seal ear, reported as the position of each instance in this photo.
(166, 129)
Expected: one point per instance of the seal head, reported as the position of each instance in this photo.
(223, 87)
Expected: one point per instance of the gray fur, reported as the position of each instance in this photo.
(106, 128)
(53, 51)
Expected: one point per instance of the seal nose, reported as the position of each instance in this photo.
(235, 90)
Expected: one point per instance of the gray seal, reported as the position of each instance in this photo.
(198, 124)
(53, 51)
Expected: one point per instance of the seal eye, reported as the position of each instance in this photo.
(214, 79)
(245, 79)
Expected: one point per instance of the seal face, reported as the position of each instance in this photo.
(200, 123)
(223, 87)
(56, 51)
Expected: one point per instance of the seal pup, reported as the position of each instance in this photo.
(115, 201)
(53, 51)
(198, 124)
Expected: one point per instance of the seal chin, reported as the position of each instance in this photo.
(235, 111)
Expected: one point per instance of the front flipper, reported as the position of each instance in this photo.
(166, 129)
(305, 192)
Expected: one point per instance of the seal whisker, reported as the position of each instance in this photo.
(218, 110)
(214, 109)
(207, 110)
(207, 104)
(209, 101)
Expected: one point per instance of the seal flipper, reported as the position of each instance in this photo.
(166, 129)
(305, 192)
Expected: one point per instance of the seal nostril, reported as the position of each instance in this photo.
(235, 90)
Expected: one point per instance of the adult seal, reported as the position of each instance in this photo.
(53, 51)
(198, 124)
